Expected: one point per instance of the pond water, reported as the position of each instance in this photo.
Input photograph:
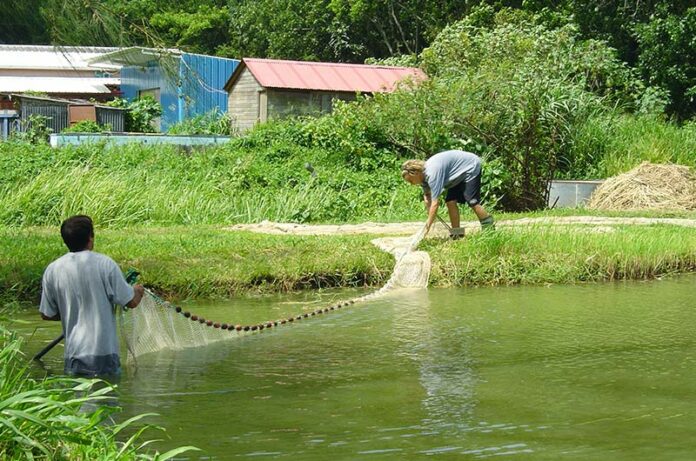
(590, 372)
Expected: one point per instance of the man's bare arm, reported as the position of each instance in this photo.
(138, 291)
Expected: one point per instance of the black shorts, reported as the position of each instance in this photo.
(468, 192)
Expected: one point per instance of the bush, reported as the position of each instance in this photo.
(213, 122)
(87, 126)
(33, 130)
(140, 114)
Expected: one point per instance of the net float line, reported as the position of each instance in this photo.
(158, 324)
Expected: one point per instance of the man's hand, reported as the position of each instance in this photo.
(138, 291)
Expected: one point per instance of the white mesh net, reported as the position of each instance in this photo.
(157, 325)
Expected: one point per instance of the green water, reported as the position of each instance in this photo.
(595, 372)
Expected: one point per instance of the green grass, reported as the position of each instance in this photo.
(542, 254)
(608, 146)
(202, 261)
(160, 185)
(206, 261)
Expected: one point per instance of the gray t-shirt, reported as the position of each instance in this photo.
(447, 169)
(83, 287)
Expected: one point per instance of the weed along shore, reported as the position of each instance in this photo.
(214, 261)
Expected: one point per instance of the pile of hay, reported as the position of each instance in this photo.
(647, 187)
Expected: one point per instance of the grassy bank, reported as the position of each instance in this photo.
(202, 261)
(206, 261)
(243, 181)
(542, 254)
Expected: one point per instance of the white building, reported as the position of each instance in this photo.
(57, 71)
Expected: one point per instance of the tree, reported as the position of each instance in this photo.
(22, 24)
(667, 58)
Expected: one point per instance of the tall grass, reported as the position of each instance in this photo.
(610, 145)
(59, 419)
(543, 254)
(161, 185)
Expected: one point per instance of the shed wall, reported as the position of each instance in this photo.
(243, 101)
(113, 117)
(287, 103)
(56, 113)
(202, 83)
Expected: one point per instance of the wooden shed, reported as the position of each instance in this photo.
(263, 89)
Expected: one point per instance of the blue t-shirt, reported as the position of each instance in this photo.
(447, 169)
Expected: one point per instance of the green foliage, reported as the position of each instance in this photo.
(213, 122)
(61, 418)
(547, 254)
(248, 180)
(141, 113)
(33, 130)
(87, 126)
(204, 30)
(26, 27)
(668, 58)
(613, 144)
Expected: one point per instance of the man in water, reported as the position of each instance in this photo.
(459, 173)
(80, 289)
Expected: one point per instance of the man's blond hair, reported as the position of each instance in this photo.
(412, 167)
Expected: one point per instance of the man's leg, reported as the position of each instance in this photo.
(453, 210)
(472, 194)
(480, 212)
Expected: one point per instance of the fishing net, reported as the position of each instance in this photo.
(648, 186)
(157, 324)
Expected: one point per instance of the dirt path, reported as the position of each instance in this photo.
(589, 223)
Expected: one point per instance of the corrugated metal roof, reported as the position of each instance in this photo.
(49, 57)
(324, 76)
(134, 56)
(57, 85)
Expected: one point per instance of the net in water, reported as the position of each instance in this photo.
(157, 325)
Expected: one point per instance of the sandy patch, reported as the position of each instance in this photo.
(586, 223)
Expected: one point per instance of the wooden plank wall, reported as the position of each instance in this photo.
(243, 101)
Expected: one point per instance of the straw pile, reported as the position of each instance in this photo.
(647, 187)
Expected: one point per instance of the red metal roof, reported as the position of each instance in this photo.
(324, 76)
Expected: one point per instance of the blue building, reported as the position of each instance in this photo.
(185, 84)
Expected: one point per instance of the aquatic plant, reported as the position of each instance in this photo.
(63, 418)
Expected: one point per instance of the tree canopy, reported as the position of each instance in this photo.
(655, 37)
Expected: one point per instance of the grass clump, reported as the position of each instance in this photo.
(61, 419)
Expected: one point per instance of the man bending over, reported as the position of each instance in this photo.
(457, 172)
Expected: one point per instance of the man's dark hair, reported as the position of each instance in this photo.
(76, 232)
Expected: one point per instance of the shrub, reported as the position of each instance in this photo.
(140, 114)
(87, 126)
(33, 130)
(214, 122)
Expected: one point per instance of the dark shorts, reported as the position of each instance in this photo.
(468, 192)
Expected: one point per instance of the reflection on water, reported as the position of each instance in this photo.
(444, 366)
(565, 372)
